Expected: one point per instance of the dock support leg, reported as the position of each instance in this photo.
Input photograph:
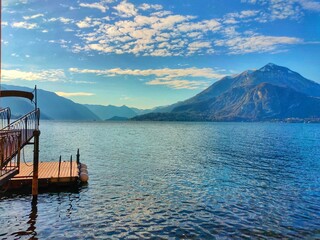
(36, 135)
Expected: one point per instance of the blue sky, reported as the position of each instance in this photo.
(151, 53)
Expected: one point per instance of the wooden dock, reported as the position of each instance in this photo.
(49, 175)
(14, 136)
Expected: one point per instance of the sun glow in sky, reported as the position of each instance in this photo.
(147, 53)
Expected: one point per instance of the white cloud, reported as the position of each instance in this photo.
(160, 53)
(33, 16)
(100, 48)
(146, 6)
(7, 3)
(125, 98)
(176, 72)
(247, 13)
(74, 94)
(99, 6)
(126, 9)
(143, 35)
(161, 33)
(15, 55)
(82, 82)
(161, 13)
(83, 24)
(87, 23)
(171, 77)
(257, 43)
(230, 32)
(243, 16)
(204, 26)
(59, 41)
(310, 5)
(51, 75)
(61, 19)
(180, 84)
(24, 25)
(284, 9)
(197, 46)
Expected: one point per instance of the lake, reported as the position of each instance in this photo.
(176, 180)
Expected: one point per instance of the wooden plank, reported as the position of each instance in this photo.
(48, 170)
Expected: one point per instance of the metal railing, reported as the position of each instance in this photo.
(59, 168)
(13, 138)
(10, 146)
(71, 165)
(5, 115)
(10, 142)
(26, 124)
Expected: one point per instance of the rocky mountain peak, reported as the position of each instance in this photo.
(271, 92)
(270, 67)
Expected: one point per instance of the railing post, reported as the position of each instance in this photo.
(19, 151)
(1, 152)
(26, 129)
(38, 118)
(78, 157)
(8, 116)
(36, 134)
(35, 98)
(59, 167)
(70, 166)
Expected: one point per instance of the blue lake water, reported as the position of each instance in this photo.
(176, 180)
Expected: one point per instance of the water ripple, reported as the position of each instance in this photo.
(179, 181)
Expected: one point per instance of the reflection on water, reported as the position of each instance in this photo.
(31, 231)
(177, 180)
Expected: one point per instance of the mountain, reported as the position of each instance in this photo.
(142, 111)
(116, 118)
(165, 109)
(261, 102)
(271, 73)
(18, 106)
(56, 107)
(110, 111)
(51, 105)
(271, 92)
(107, 112)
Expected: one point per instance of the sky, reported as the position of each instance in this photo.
(148, 53)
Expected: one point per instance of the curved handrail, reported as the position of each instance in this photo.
(26, 124)
(16, 93)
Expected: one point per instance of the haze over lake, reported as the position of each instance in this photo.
(177, 180)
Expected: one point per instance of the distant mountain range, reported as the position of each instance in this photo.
(55, 107)
(51, 105)
(269, 93)
(113, 112)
